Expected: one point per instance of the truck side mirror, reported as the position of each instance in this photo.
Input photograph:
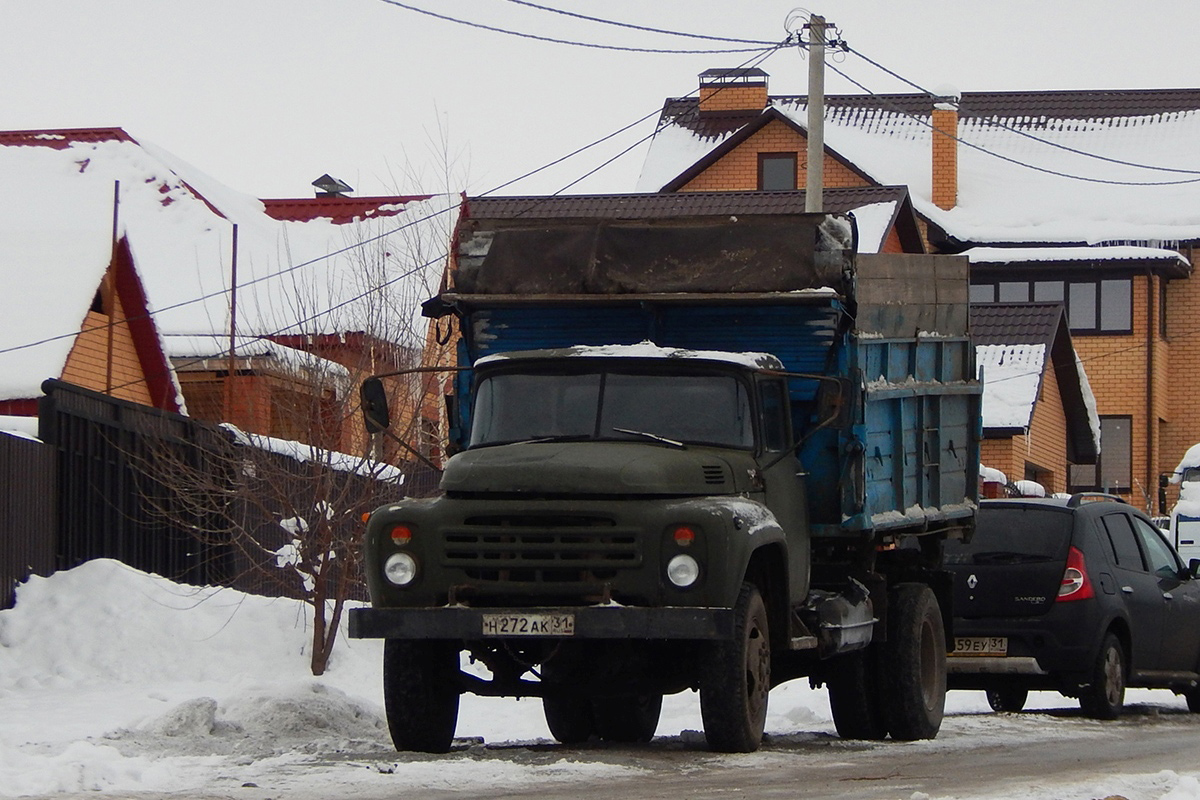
(834, 402)
(374, 405)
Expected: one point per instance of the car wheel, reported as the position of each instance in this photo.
(1007, 699)
(914, 664)
(420, 702)
(855, 698)
(1104, 696)
(1193, 699)
(736, 679)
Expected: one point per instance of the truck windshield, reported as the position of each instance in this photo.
(687, 408)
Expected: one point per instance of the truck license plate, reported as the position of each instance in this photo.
(981, 645)
(528, 624)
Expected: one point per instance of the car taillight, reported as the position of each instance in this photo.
(1075, 583)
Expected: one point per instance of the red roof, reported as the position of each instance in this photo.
(62, 138)
(339, 209)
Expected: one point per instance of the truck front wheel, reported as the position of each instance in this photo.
(913, 669)
(419, 699)
(735, 679)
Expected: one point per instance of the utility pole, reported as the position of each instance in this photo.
(815, 171)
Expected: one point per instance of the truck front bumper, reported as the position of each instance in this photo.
(590, 622)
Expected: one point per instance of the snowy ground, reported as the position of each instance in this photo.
(113, 681)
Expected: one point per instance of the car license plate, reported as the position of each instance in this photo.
(980, 646)
(528, 624)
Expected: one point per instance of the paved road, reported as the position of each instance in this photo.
(975, 755)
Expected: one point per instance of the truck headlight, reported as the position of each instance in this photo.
(400, 569)
(682, 570)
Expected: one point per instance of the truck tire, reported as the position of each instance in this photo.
(1104, 696)
(419, 700)
(569, 717)
(736, 678)
(1007, 698)
(913, 668)
(854, 696)
(628, 718)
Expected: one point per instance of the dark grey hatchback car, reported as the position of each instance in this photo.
(1082, 596)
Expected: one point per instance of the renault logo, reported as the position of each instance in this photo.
(972, 582)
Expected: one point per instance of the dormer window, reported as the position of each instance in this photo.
(777, 172)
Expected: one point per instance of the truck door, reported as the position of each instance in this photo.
(783, 481)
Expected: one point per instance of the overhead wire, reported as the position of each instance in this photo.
(760, 56)
(555, 40)
(631, 26)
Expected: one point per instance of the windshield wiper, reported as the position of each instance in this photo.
(653, 436)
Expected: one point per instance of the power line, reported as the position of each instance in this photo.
(987, 120)
(639, 27)
(554, 40)
(921, 121)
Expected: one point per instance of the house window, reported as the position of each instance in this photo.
(983, 293)
(776, 172)
(1093, 306)
(1113, 470)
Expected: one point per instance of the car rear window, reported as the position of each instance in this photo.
(1014, 535)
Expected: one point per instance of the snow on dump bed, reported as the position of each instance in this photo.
(648, 349)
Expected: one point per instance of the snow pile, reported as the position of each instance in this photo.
(113, 682)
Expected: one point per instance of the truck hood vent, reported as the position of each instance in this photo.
(714, 475)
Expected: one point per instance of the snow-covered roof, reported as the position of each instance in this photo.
(1011, 255)
(1012, 375)
(310, 275)
(1032, 167)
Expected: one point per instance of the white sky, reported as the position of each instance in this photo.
(267, 96)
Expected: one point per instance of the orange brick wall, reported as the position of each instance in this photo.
(1045, 445)
(1116, 368)
(1181, 375)
(738, 169)
(87, 363)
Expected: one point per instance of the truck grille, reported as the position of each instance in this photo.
(540, 549)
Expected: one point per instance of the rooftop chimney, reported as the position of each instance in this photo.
(738, 89)
(945, 148)
(328, 186)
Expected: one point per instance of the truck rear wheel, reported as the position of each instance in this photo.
(419, 699)
(736, 678)
(569, 717)
(854, 696)
(628, 718)
(913, 668)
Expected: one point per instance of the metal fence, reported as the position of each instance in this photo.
(117, 480)
(28, 492)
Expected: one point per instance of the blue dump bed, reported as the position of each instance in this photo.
(902, 454)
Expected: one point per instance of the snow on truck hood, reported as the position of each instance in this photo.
(644, 349)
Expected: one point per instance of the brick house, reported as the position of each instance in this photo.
(1039, 414)
(1088, 198)
(315, 292)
